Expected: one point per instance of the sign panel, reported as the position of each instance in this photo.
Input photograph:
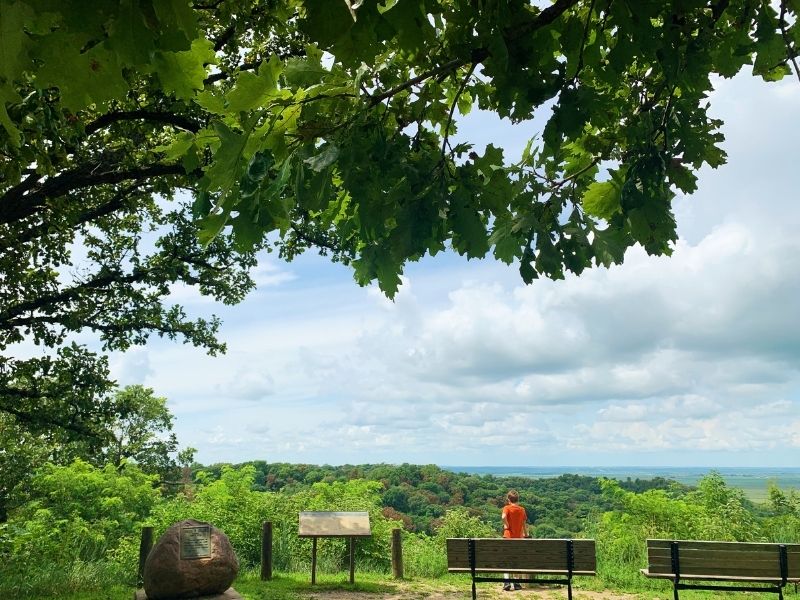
(195, 542)
(334, 524)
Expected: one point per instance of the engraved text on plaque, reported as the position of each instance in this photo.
(196, 541)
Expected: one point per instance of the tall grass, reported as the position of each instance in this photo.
(48, 580)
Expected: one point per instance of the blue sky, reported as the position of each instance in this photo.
(692, 360)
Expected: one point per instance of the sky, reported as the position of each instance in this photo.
(688, 360)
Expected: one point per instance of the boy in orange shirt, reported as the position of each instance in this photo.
(515, 525)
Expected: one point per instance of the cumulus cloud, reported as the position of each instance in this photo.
(696, 353)
(252, 384)
(131, 367)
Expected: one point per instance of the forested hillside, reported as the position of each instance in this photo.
(419, 495)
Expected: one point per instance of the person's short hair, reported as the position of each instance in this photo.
(512, 496)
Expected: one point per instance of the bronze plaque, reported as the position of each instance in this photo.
(334, 524)
(195, 542)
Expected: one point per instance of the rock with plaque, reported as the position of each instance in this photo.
(192, 559)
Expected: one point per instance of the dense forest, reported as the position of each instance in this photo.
(420, 495)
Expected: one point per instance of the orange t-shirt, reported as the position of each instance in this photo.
(515, 517)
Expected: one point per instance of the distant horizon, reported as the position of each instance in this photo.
(521, 466)
(619, 466)
(753, 481)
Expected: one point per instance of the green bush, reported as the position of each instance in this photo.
(423, 556)
(71, 525)
(426, 556)
(231, 504)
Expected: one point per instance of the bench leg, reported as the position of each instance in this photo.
(569, 590)
(675, 591)
(474, 591)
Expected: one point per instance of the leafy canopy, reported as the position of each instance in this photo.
(328, 124)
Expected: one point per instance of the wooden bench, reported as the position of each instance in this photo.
(531, 557)
(737, 562)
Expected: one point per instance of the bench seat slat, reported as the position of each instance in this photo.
(658, 554)
(716, 556)
(529, 571)
(730, 546)
(647, 573)
(736, 564)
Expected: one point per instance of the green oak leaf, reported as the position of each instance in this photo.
(13, 40)
(526, 270)
(247, 231)
(251, 90)
(312, 188)
(129, 36)
(272, 191)
(683, 178)
(326, 21)
(178, 146)
(506, 244)
(548, 258)
(83, 78)
(770, 60)
(304, 72)
(210, 226)
(413, 31)
(228, 160)
(183, 73)
(9, 96)
(388, 275)
(469, 230)
(259, 166)
(602, 199)
(609, 246)
(324, 159)
(179, 23)
(387, 5)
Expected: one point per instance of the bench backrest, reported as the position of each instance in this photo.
(723, 559)
(499, 554)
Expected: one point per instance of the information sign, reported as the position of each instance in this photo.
(334, 524)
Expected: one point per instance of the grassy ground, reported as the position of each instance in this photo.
(376, 586)
(371, 586)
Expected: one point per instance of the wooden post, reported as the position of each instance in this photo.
(266, 551)
(397, 554)
(352, 559)
(313, 560)
(145, 546)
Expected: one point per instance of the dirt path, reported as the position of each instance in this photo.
(418, 591)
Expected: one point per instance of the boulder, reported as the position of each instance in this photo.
(167, 576)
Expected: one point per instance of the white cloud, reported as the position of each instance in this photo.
(251, 384)
(132, 367)
(697, 353)
(270, 273)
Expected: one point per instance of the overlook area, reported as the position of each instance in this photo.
(261, 258)
(95, 513)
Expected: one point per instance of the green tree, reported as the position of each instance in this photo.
(329, 124)
(141, 430)
(723, 511)
(137, 428)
